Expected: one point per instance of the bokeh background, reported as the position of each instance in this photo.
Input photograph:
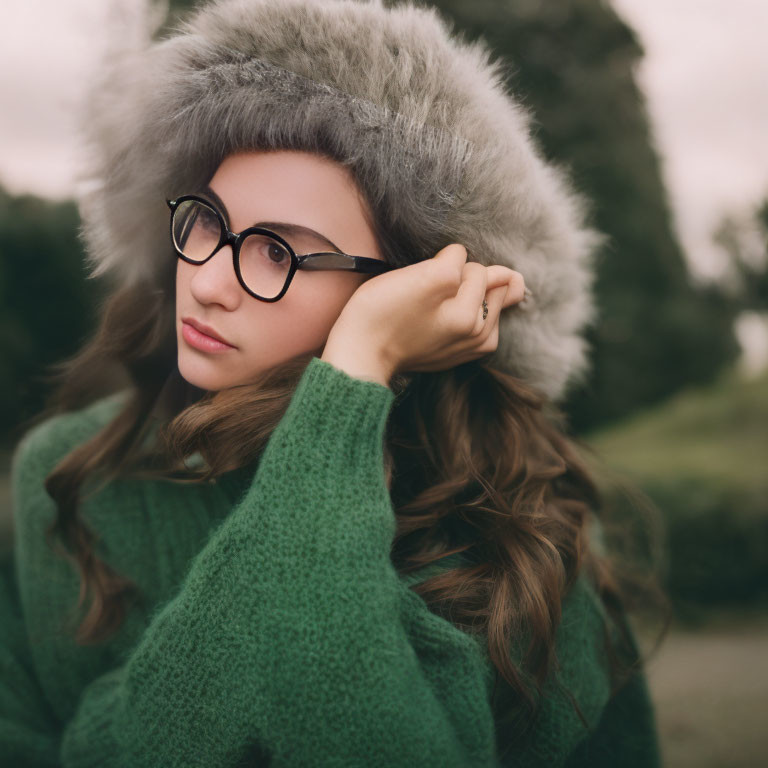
(659, 108)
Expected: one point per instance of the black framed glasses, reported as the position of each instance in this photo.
(264, 262)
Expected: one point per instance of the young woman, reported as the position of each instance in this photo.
(305, 497)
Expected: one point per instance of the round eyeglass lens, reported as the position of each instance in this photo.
(264, 265)
(196, 230)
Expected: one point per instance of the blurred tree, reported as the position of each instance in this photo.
(46, 304)
(745, 241)
(572, 62)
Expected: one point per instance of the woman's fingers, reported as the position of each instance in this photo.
(499, 275)
(469, 281)
(498, 285)
(505, 287)
(494, 299)
(429, 316)
(447, 268)
(472, 291)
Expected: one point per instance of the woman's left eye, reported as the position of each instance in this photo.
(277, 254)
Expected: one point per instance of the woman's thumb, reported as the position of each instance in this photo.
(451, 261)
(454, 252)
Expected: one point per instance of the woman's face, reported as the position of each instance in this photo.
(280, 186)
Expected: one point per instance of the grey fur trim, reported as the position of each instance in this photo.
(420, 116)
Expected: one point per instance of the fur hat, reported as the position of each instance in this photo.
(419, 115)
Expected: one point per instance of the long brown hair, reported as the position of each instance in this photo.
(479, 463)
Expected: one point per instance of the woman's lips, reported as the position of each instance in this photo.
(202, 341)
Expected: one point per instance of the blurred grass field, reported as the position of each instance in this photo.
(702, 457)
(719, 432)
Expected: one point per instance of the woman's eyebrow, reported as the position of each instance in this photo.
(281, 227)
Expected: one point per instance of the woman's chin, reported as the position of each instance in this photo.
(199, 374)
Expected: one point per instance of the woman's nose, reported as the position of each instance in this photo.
(216, 281)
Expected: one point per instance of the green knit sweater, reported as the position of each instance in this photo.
(274, 628)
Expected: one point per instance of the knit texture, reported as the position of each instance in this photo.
(273, 624)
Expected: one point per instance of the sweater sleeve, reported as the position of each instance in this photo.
(287, 639)
(27, 726)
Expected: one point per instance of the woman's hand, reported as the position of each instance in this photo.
(424, 317)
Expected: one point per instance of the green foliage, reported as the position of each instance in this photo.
(745, 240)
(46, 304)
(701, 458)
(717, 540)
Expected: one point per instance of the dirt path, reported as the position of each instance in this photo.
(710, 687)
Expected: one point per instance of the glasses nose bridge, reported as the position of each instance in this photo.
(228, 239)
(231, 238)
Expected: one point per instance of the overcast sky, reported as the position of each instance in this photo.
(705, 77)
